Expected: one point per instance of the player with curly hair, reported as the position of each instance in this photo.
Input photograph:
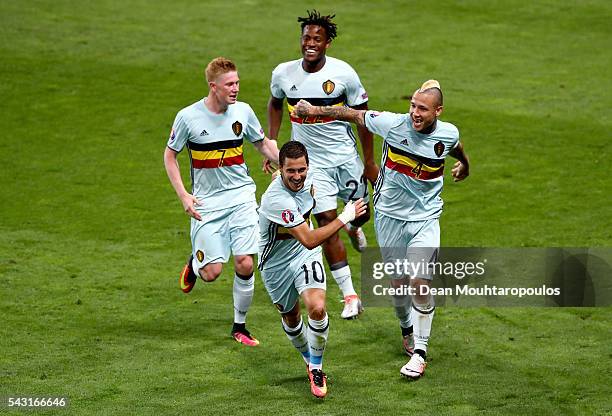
(337, 170)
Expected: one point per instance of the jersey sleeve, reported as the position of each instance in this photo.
(456, 137)
(380, 123)
(253, 132)
(282, 210)
(179, 134)
(275, 85)
(355, 92)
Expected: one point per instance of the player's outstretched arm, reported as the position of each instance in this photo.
(305, 109)
(313, 238)
(269, 149)
(461, 169)
(174, 174)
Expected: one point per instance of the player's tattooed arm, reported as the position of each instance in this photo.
(305, 109)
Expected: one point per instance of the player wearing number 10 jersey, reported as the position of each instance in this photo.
(290, 257)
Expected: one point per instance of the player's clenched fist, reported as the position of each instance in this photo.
(460, 171)
(352, 210)
(302, 109)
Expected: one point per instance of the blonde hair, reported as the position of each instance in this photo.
(432, 83)
(432, 87)
(218, 66)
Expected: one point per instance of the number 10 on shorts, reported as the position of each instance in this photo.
(315, 272)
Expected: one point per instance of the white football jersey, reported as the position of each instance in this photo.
(412, 168)
(220, 178)
(282, 209)
(329, 143)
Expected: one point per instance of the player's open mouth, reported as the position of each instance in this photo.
(310, 52)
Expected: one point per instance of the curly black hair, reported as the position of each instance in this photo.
(315, 18)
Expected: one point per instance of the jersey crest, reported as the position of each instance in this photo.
(328, 87)
(439, 148)
(237, 128)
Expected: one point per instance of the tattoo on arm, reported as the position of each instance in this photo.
(344, 114)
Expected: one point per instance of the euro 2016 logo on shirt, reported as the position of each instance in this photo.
(439, 148)
(287, 216)
(172, 135)
(237, 128)
(328, 87)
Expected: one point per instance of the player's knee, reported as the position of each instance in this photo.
(292, 318)
(421, 294)
(211, 271)
(317, 311)
(244, 265)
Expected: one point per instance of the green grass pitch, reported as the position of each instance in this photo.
(92, 236)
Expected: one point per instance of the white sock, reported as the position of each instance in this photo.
(422, 318)
(243, 296)
(342, 276)
(402, 306)
(298, 338)
(317, 339)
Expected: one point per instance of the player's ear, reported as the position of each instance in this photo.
(439, 110)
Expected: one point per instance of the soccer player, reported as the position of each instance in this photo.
(407, 197)
(222, 203)
(336, 168)
(290, 258)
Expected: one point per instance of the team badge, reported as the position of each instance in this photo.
(279, 307)
(287, 216)
(237, 128)
(328, 87)
(200, 255)
(172, 135)
(374, 114)
(439, 148)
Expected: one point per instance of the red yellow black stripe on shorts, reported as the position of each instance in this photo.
(333, 101)
(416, 167)
(216, 155)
